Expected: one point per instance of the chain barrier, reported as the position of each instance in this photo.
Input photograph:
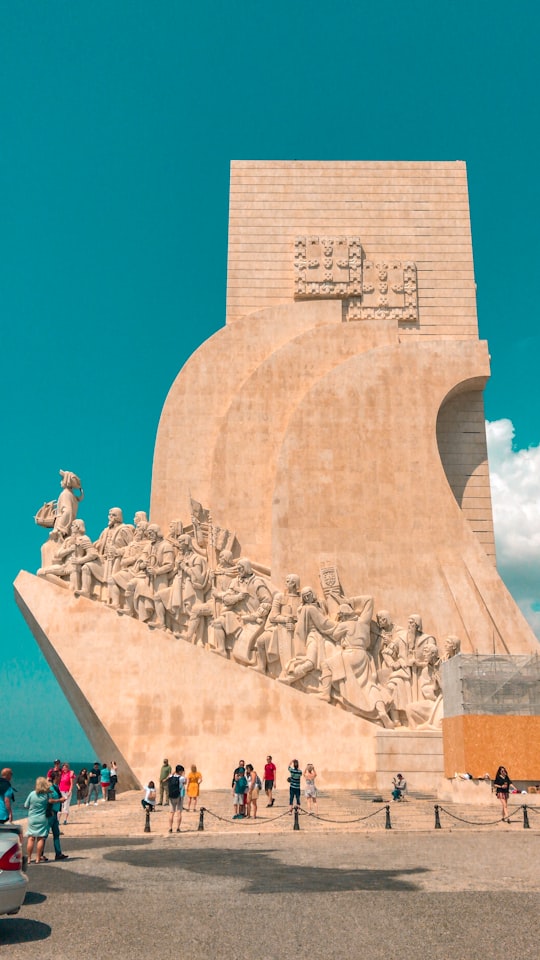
(480, 823)
(316, 816)
(249, 820)
(300, 812)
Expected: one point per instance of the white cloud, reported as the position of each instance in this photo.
(515, 490)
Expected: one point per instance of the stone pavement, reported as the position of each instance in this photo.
(344, 811)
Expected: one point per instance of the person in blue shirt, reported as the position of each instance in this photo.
(7, 796)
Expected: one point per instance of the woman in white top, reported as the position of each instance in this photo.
(310, 790)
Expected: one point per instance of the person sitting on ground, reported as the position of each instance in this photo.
(400, 785)
(149, 800)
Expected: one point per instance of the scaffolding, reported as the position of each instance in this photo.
(495, 684)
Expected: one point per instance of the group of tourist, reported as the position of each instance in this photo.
(50, 801)
(174, 786)
(246, 786)
(99, 779)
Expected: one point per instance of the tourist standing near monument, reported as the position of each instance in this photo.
(194, 779)
(177, 792)
(310, 790)
(164, 775)
(67, 779)
(269, 780)
(254, 785)
(94, 778)
(502, 784)
(37, 804)
(82, 786)
(7, 796)
(54, 809)
(295, 776)
(240, 793)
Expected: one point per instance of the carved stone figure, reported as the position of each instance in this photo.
(426, 711)
(157, 564)
(275, 647)
(123, 582)
(68, 503)
(452, 646)
(246, 605)
(188, 587)
(109, 549)
(416, 650)
(314, 641)
(394, 671)
(349, 675)
(220, 579)
(66, 567)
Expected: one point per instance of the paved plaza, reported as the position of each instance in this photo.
(267, 891)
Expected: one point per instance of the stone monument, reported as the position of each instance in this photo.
(332, 433)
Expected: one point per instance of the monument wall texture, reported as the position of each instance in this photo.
(320, 512)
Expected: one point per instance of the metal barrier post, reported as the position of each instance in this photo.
(147, 821)
(296, 824)
(437, 818)
(525, 818)
(388, 822)
(201, 819)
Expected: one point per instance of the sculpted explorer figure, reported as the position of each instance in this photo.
(188, 586)
(109, 547)
(394, 669)
(349, 675)
(68, 503)
(314, 639)
(123, 582)
(246, 605)
(221, 579)
(275, 647)
(157, 564)
(74, 551)
(426, 711)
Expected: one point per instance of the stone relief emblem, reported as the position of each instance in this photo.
(335, 267)
(195, 585)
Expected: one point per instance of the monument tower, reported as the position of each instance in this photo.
(333, 435)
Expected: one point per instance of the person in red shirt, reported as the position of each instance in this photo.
(269, 780)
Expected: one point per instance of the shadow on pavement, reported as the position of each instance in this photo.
(32, 898)
(19, 930)
(264, 873)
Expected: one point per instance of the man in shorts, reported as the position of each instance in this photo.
(177, 791)
(269, 780)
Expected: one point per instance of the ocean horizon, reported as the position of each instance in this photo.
(25, 774)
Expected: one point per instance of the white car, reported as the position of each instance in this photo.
(13, 881)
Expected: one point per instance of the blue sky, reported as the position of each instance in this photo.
(118, 124)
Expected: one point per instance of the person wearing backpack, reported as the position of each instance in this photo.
(177, 792)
